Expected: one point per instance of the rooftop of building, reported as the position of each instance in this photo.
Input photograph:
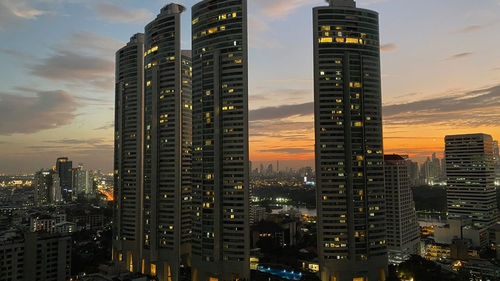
(342, 3)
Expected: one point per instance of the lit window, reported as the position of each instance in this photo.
(323, 28)
(325, 40)
(352, 40)
(339, 40)
(195, 21)
(148, 83)
(153, 269)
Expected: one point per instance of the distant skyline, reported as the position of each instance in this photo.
(441, 76)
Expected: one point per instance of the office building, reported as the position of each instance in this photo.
(220, 242)
(34, 256)
(83, 183)
(167, 147)
(127, 224)
(47, 188)
(470, 172)
(403, 232)
(64, 168)
(42, 184)
(349, 154)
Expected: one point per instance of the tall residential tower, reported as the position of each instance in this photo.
(220, 242)
(129, 99)
(349, 153)
(167, 147)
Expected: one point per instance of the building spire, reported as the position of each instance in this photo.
(342, 3)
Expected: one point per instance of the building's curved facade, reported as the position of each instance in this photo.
(129, 98)
(349, 152)
(167, 148)
(220, 242)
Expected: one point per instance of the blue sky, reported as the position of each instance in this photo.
(440, 64)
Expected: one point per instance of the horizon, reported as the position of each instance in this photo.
(58, 97)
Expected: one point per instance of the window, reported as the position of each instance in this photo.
(352, 40)
(325, 40)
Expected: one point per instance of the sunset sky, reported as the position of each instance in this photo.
(440, 65)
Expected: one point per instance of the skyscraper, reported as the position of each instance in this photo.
(403, 232)
(127, 223)
(167, 147)
(220, 246)
(349, 153)
(42, 184)
(470, 172)
(82, 182)
(64, 168)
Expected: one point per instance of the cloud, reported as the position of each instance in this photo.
(75, 141)
(281, 95)
(106, 127)
(280, 112)
(389, 48)
(27, 115)
(92, 42)
(460, 56)
(477, 27)
(75, 68)
(82, 60)
(474, 108)
(291, 80)
(14, 12)
(289, 150)
(117, 14)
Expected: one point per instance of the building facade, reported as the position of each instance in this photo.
(47, 188)
(129, 98)
(64, 168)
(349, 153)
(33, 256)
(83, 183)
(470, 171)
(220, 242)
(167, 147)
(403, 232)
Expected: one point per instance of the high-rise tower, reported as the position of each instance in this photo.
(167, 147)
(64, 168)
(470, 172)
(349, 153)
(220, 245)
(403, 232)
(129, 99)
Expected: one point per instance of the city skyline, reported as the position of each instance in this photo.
(65, 115)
